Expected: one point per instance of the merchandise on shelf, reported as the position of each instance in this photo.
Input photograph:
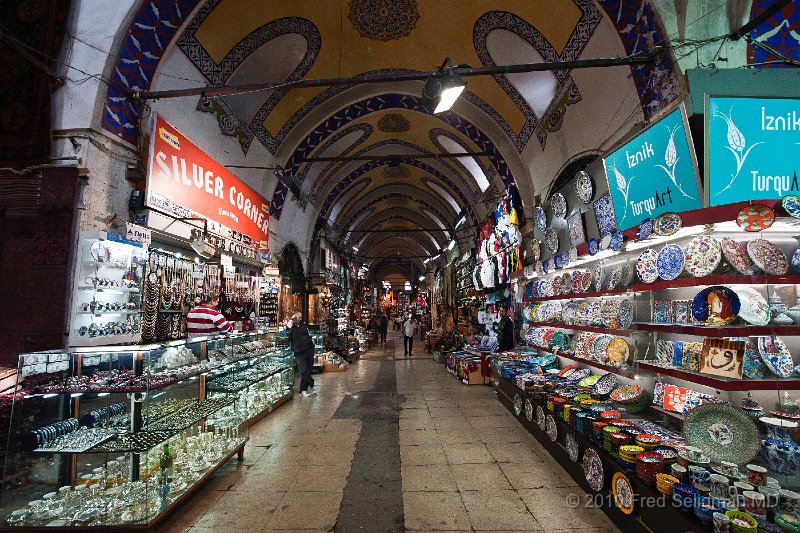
(116, 436)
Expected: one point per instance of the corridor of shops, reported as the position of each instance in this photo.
(393, 444)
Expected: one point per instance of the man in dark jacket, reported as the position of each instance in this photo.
(505, 332)
(303, 348)
(383, 327)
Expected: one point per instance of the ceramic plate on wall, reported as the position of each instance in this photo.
(646, 266)
(604, 214)
(625, 314)
(623, 492)
(722, 432)
(571, 444)
(559, 204)
(776, 356)
(540, 218)
(540, 418)
(529, 410)
(767, 257)
(755, 217)
(667, 224)
(716, 305)
(791, 204)
(702, 256)
(605, 242)
(616, 241)
(584, 187)
(592, 246)
(736, 255)
(593, 469)
(551, 428)
(753, 308)
(645, 229)
(670, 262)
(551, 240)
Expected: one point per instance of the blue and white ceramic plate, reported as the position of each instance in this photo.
(791, 204)
(540, 218)
(604, 214)
(584, 187)
(605, 242)
(551, 240)
(616, 241)
(646, 266)
(564, 258)
(776, 356)
(593, 246)
(557, 261)
(598, 278)
(645, 229)
(670, 262)
(625, 314)
(559, 204)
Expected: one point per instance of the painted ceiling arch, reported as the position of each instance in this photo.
(392, 199)
(400, 218)
(415, 193)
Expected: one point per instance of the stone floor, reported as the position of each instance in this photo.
(392, 444)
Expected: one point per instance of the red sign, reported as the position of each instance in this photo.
(185, 181)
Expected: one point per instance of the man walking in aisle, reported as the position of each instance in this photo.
(409, 327)
(303, 348)
(382, 328)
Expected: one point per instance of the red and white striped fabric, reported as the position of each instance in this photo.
(204, 320)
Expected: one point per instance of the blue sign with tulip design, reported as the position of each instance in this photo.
(753, 148)
(654, 173)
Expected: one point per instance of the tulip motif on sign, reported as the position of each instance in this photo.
(623, 186)
(736, 144)
(671, 160)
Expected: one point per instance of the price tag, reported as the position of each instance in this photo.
(225, 260)
(229, 272)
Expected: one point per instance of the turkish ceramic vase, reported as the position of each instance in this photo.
(778, 449)
(794, 311)
(796, 256)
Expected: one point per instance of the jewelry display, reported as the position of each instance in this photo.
(190, 415)
(67, 437)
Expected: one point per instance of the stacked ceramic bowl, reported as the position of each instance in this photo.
(627, 455)
(705, 507)
(648, 464)
(607, 431)
(683, 495)
(618, 439)
(742, 522)
(669, 454)
(597, 430)
(648, 441)
(665, 483)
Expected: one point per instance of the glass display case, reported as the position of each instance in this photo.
(107, 290)
(117, 436)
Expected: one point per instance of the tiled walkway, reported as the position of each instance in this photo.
(329, 462)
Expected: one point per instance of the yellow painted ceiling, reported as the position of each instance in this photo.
(444, 29)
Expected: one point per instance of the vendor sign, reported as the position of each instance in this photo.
(184, 181)
(753, 148)
(654, 173)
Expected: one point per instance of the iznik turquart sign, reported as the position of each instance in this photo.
(654, 173)
(752, 147)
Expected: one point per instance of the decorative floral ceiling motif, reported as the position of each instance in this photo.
(383, 20)
(393, 123)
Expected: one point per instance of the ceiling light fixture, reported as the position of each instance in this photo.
(443, 87)
(461, 219)
(422, 278)
(451, 245)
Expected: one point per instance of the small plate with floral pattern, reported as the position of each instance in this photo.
(767, 256)
(593, 469)
(551, 428)
(736, 255)
(667, 224)
(573, 450)
(540, 218)
(551, 240)
(528, 410)
(623, 492)
(592, 246)
(776, 356)
(559, 204)
(584, 187)
(645, 229)
(670, 262)
(617, 238)
(791, 204)
(702, 256)
(646, 266)
(540, 418)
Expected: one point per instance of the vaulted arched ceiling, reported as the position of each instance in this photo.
(505, 118)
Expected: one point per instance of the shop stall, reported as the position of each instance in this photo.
(117, 437)
(659, 329)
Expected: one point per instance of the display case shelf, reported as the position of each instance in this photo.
(211, 388)
(588, 362)
(704, 281)
(107, 289)
(744, 330)
(576, 327)
(722, 384)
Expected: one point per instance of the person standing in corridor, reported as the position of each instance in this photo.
(303, 349)
(382, 328)
(505, 331)
(409, 327)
